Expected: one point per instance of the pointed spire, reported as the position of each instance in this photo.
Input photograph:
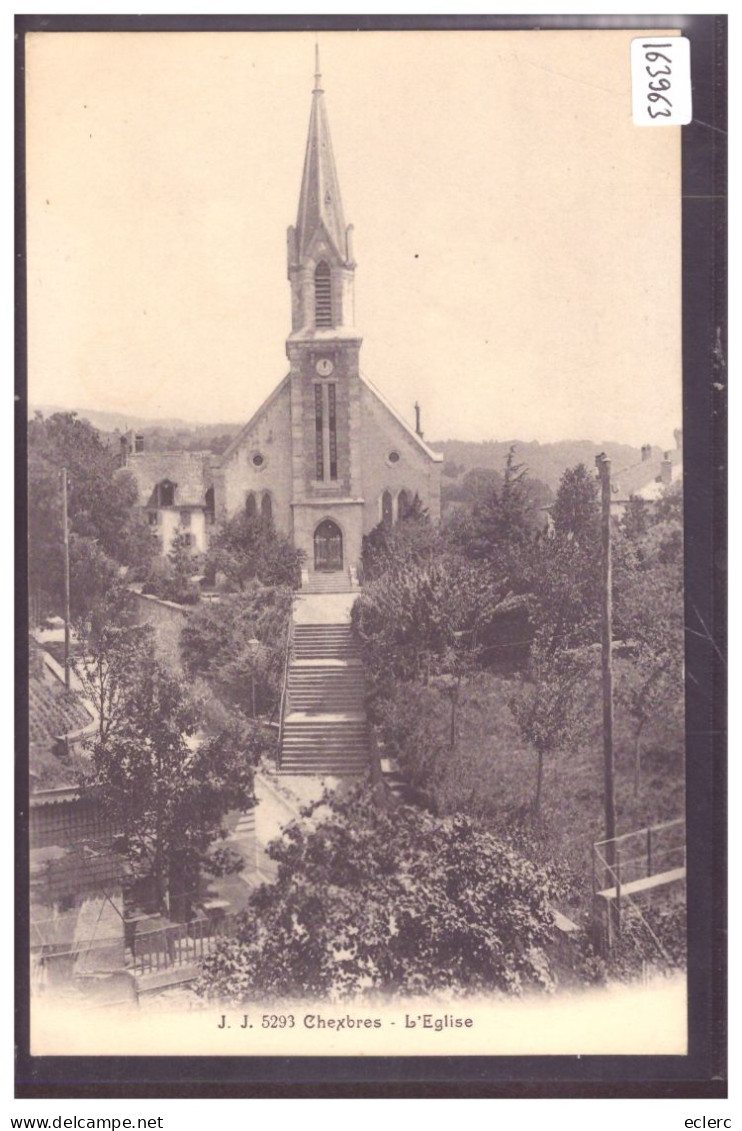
(317, 71)
(320, 204)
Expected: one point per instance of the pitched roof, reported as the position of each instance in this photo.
(436, 457)
(53, 711)
(191, 472)
(245, 431)
(637, 477)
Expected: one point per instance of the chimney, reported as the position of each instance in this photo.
(139, 442)
(646, 452)
(418, 429)
(678, 434)
(666, 470)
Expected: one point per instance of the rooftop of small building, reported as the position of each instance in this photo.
(647, 473)
(52, 712)
(190, 472)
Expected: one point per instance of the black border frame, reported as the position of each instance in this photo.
(700, 1074)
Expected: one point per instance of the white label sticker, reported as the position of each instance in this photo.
(660, 81)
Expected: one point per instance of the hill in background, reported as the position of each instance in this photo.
(546, 462)
(167, 434)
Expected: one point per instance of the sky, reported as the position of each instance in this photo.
(517, 236)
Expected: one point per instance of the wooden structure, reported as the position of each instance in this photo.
(633, 866)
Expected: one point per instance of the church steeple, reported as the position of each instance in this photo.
(320, 254)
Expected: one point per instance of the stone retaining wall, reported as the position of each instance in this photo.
(167, 619)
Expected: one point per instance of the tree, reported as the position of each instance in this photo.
(416, 618)
(651, 688)
(164, 786)
(370, 899)
(215, 645)
(173, 579)
(648, 605)
(651, 684)
(104, 527)
(413, 539)
(500, 520)
(109, 667)
(576, 512)
(562, 577)
(636, 518)
(250, 549)
(551, 702)
(481, 482)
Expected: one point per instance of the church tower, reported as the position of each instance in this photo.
(326, 458)
(323, 350)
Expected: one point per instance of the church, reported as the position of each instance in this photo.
(325, 456)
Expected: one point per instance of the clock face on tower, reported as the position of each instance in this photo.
(324, 367)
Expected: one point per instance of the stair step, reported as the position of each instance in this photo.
(356, 738)
(302, 629)
(329, 650)
(320, 749)
(323, 736)
(333, 756)
(323, 705)
(323, 626)
(316, 696)
(318, 742)
(338, 735)
(301, 772)
(327, 689)
(323, 767)
(349, 689)
(325, 731)
(326, 684)
(326, 679)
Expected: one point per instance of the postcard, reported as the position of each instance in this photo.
(356, 572)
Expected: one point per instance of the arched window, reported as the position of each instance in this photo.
(404, 502)
(266, 506)
(251, 506)
(386, 508)
(322, 295)
(166, 493)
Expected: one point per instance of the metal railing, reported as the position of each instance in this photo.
(621, 863)
(146, 952)
(179, 944)
(639, 854)
(284, 689)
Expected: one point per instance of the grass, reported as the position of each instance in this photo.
(491, 774)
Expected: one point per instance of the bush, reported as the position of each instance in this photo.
(249, 549)
(215, 645)
(391, 901)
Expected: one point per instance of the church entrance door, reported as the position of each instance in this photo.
(328, 547)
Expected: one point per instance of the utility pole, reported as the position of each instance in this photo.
(603, 464)
(66, 537)
(253, 647)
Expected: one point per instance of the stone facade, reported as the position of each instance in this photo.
(258, 462)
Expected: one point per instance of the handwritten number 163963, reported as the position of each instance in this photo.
(658, 84)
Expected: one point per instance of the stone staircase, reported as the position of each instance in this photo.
(324, 725)
(337, 582)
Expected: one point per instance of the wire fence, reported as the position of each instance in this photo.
(633, 865)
